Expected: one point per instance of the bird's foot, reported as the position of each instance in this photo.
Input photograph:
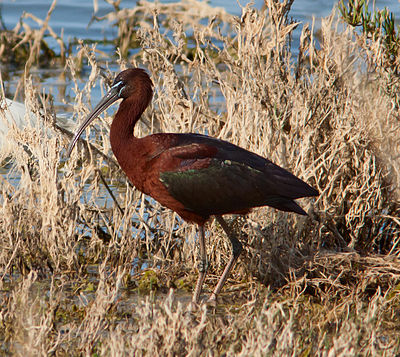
(212, 301)
(201, 305)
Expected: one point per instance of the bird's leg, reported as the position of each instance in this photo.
(236, 250)
(202, 267)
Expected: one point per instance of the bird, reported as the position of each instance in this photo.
(14, 113)
(194, 175)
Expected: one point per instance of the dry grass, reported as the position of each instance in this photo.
(76, 271)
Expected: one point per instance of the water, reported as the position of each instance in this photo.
(73, 15)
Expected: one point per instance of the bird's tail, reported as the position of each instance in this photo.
(288, 206)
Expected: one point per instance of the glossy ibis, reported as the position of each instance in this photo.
(195, 175)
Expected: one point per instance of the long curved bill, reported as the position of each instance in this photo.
(105, 102)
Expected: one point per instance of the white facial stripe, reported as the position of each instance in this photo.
(116, 84)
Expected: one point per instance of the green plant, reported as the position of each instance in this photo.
(376, 25)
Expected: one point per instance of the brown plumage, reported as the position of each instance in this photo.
(195, 175)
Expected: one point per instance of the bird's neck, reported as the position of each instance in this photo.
(122, 128)
(127, 148)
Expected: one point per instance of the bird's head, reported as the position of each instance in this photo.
(130, 84)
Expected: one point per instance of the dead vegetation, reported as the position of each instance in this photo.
(75, 267)
(25, 45)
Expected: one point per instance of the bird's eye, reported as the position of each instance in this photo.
(120, 87)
